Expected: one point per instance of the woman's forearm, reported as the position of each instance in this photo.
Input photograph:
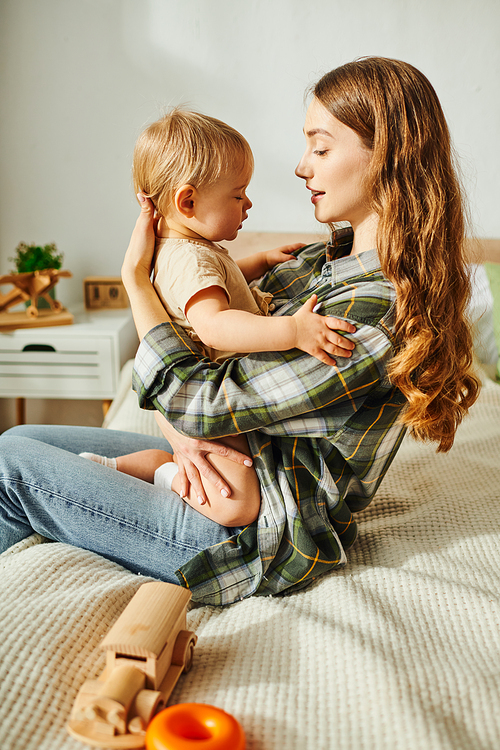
(241, 395)
(146, 306)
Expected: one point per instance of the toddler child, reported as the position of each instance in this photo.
(196, 170)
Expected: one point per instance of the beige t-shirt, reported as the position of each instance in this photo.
(184, 267)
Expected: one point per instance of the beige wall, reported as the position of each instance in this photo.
(79, 80)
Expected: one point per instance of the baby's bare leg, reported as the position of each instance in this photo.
(242, 507)
(143, 464)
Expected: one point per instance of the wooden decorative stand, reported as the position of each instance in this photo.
(9, 321)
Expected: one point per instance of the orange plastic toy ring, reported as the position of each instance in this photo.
(194, 726)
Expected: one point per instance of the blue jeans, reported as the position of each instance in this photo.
(46, 487)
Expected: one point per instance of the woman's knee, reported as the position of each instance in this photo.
(20, 430)
(40, 432)
(13, 450)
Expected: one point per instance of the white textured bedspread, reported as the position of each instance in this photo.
(401, 649)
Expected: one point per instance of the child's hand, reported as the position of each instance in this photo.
(316, 334)
(257, 264)
(281, 254)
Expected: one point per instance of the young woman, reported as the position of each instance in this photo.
(377, 156)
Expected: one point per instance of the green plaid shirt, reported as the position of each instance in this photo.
(322, 437)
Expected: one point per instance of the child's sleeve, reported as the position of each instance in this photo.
(180, 275)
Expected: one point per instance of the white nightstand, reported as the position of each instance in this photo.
(82, 360)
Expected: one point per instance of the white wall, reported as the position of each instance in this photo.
(80, 78)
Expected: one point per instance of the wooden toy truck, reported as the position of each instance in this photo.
(147, 649)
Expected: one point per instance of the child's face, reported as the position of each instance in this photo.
(221, 208)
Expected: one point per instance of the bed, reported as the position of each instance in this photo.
(398, 650)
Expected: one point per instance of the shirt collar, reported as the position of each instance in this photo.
(343, 266)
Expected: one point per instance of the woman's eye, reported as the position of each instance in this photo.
(321, 153)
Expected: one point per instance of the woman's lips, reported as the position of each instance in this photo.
(316, 196)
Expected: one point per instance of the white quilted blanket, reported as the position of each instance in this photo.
(400, 650)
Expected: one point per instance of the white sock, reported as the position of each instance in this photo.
(165, 474)
(103, 460)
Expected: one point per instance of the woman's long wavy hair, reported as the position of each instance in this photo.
(418, 199)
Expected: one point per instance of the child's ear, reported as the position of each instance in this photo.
(184, 201)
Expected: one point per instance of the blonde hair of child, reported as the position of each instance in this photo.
(185, 148)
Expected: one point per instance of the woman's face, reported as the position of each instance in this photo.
(335, 167)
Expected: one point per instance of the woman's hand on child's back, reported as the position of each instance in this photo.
(318, 334)
(147, 308)
(139, 256)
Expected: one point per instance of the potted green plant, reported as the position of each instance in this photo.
(30, 258)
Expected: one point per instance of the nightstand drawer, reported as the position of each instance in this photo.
(57, 367)
(78, 361)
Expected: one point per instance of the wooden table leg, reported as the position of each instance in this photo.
(20, 411)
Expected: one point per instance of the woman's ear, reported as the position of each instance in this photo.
(184, 201)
